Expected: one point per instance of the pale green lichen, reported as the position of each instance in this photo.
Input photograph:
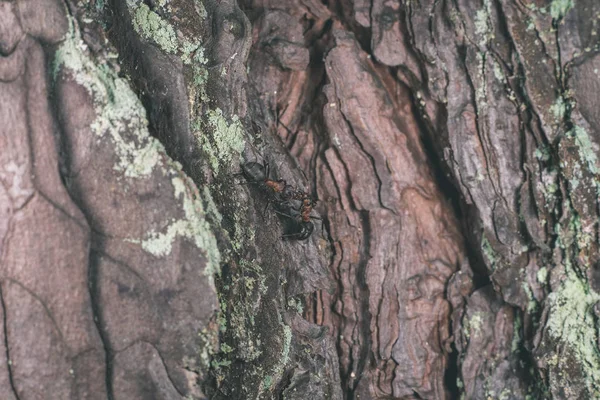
(483, 28)
(277, 370)
(200, 9)
(115, 103)
(516, 339)
(253, 268)
(488, 252)
(586, 148)
(559, 109)
(152, 27)
(192, 53)
(574, 183)
(225, 348)
(572, 232)
(247, 285)
(160, 244)
(542, 275)
(481, 90)
(208, 347)
(121, 116)
(227, 139)
(241, 321)
(476, 322)
(549, 189)
(267, 382)
(532, 304)
(242, 232)
(136, 158)
(287, 337)
(211, 207)
(498, 73)
(218, 363)
(530, 25)
(571, 322)
(560, 8)
(193, 227)
(295, 304)
(542, 153)
(471, 325)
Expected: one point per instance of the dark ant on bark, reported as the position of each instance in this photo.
(303, 219)
(257, 173)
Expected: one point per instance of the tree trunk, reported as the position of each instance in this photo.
(452, 147)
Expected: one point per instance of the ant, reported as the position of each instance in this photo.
(303, 218)
(259, 174)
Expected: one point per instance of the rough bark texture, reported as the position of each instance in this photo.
(453, 148)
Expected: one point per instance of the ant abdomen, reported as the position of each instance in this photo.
(306, 229)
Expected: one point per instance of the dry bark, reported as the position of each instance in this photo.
(452, 146)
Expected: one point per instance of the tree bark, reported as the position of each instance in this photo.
(452, 147)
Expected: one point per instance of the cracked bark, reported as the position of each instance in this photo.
(452, 146)
(8, 390)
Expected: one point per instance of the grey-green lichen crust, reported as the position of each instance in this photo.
(221, 138)
(121, 117)
(226, 142)
(571, 321)
(152, 27)
(560, 8)
(226, 139)
(571, 327)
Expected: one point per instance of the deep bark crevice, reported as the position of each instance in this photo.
(6, 345)
(94, 289)
(452, 147)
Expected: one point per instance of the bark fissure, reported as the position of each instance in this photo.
(6, 345)
(164, 364)
(369, 156)
(363, 299)
(453, 148)
(96, 304)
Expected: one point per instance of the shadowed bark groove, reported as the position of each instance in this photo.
(12, 393)
(96, 308)
(452, 147)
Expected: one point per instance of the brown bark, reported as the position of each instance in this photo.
(452, 146)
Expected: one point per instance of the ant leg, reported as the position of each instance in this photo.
(284, 214)
(291, 235)
(302, 235)
(267, 206)
(247, 183)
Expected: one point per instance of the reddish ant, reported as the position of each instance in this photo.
(259, 174)
(303, 219)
